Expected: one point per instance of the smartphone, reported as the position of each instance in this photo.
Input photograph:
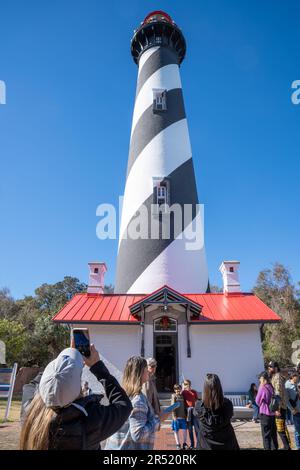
(82, 341)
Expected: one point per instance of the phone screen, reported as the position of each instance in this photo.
(82, 342)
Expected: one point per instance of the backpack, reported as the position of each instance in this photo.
(274, 403)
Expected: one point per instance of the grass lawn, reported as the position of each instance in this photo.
(14, 414)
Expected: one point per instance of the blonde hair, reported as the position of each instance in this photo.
(36, 427)
(133, 375)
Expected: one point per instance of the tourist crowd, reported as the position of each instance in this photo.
(58, 413)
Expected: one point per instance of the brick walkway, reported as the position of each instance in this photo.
(248, 435)
(165, 438)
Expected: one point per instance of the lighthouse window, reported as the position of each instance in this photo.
(159, 100)
(96, 270)
(231, 269)
(161, 192)
(161, 195)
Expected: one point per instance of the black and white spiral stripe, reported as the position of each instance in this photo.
(159, 146)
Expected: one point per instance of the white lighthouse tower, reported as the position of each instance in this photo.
(160, 173)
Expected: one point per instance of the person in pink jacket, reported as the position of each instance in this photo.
(267, 417)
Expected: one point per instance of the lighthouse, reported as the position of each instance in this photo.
(160, 307)
(160, 198)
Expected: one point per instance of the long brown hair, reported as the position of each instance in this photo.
(133, 374)
(212, 397)
(35, 430)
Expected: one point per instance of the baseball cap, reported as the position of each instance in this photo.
(273, 364)
(151, 361)
(60, 383)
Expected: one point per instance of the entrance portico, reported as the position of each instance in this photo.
(162, 314)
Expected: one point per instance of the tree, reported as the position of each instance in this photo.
(276, 289)
(7, 304)
(47, 340)
(40, 339)
(216, 289)
(109, 289)
(15, 338)
(52, 297)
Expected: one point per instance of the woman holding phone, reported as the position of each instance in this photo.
(138, 432)
(59, 418)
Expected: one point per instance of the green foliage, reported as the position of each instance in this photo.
(26, 324)
(216, 289)
(15, 337)
(109, 289)
(276, 289)
(7, 304)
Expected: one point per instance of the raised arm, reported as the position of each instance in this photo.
(142, 423)
(111, 417)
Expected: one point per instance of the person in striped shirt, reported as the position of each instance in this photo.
(138, 432)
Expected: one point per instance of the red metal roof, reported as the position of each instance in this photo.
(114, 308)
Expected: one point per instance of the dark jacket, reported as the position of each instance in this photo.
(252, 395)
(179, 412)
(216, 431)
(150, 390)
(71, 429)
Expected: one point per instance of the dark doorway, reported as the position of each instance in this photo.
(165, 348)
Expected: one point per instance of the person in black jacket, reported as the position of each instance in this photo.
(214, 412)
(59, 418)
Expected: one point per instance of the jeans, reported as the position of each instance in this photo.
(269, 432)
(297, 429)
(193, 423)
(289, 417)
(255, 410)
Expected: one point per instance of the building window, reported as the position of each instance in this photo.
(231, 269)
(96, 270)
(161, 195)
(161, 192)
(164, 340)
(165, 324)
(159, 100)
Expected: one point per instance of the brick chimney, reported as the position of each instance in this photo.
(231, 281)
(96, 278)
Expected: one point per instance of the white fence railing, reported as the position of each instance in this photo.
(7, 383)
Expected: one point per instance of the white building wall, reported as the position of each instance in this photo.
(115, 344)
(233, 352)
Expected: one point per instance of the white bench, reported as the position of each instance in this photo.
(239, 401)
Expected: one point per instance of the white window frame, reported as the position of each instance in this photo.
(159, 99)
(157, 183)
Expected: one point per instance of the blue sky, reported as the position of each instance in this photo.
(64, 131)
